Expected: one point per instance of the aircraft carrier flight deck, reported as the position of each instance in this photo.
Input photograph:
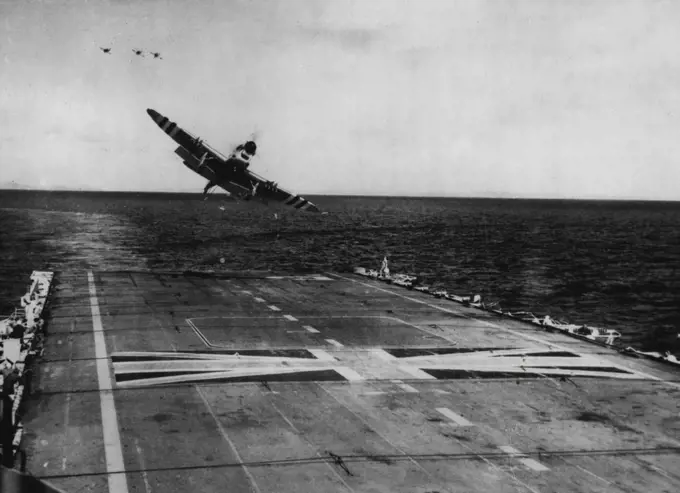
(171, 382)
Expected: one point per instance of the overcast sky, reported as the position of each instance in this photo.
(531, 98)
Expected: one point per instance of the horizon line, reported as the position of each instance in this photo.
(350, 195)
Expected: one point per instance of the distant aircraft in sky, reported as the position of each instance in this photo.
(138, 52)
(230, 173)
(156, 55)
(105, 50)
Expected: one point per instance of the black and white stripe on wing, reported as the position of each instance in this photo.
(300, 203)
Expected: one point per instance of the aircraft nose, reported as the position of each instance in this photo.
(153, 114)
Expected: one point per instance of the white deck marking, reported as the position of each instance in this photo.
(657, 469)
(530, 463)
(227, 439)
(321, 355)
(499, 327)
(348, 373)
(274, 308)
(258, 299)
(198, 333)
(416, 373)
(456, 418)
(404, 386)
(291, 318)
(310, 329)
(67, 413)
(382, 354)
(334, 343)
(145, 477)
(589, 472)
(115, 466)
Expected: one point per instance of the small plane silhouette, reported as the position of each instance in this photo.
(105, 50)
(157, 55)
(138, 52)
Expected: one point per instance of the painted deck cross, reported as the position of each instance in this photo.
(140, 369)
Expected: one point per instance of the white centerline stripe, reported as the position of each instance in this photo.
(334, 342)
(291, 318)
(530, 463)
(115, 467)
(310, 329)
(273, 307)
(259, 300)
(456, 418)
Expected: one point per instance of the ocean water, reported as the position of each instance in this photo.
(608, 264)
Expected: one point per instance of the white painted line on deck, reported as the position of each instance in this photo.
(274, 308)
(67, 414)
(456, 418)
(321, 355)
(416, 373)
(198, 333)
(348, 373)
(334, 343)
(290, 317)
(115, 466)
(657, 469)
(227, 439)
(258, 299)
(145, 477)
(530, 463)
(310, 329)
(589, 472)
(406, 387)
(382, 354)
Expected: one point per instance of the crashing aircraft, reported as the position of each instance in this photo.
(229, 173)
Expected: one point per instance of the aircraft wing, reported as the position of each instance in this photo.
(192, 162)
(272, 192)
(192, 148)
(266, 192)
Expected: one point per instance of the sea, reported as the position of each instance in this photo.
(610, 264)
